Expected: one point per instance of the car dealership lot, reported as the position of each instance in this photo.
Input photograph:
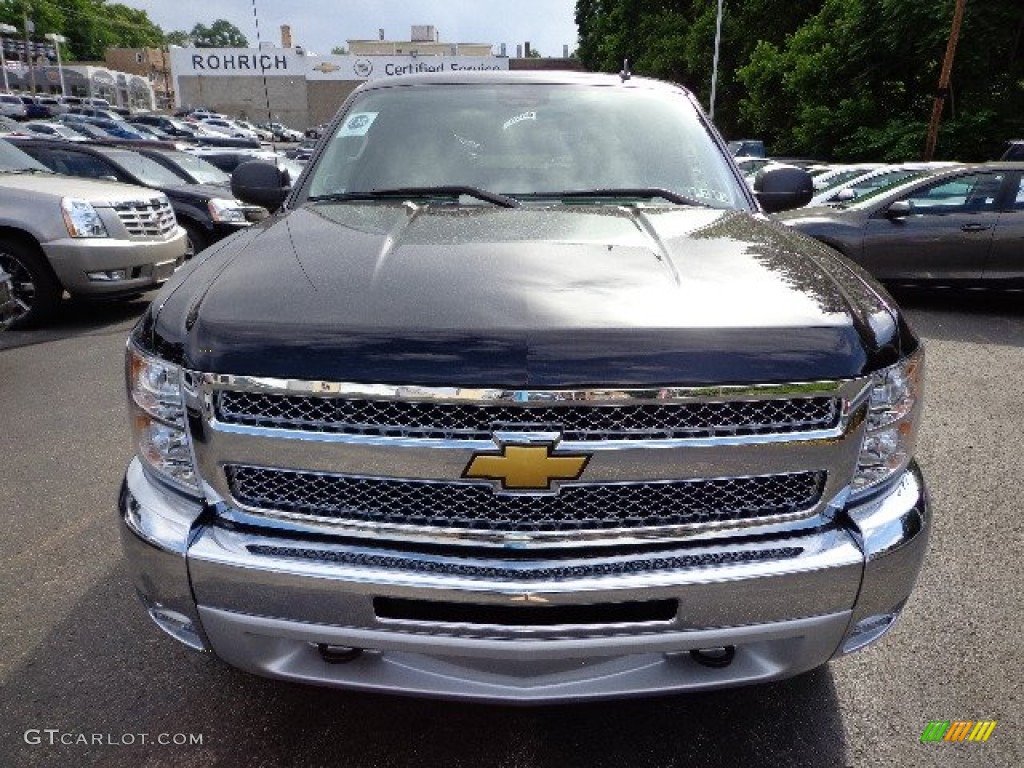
(81, 659)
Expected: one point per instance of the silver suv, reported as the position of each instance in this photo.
(93, 239)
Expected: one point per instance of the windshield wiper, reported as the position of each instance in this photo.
(648, 193)
(27, 170)
(405, 192)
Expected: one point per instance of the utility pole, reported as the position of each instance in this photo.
(947, 68)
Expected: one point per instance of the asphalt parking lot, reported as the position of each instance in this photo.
(80, 659)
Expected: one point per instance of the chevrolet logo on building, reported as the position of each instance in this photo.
(526, 467)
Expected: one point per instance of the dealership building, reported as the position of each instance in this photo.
(305, 89)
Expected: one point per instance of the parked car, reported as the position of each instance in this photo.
(84, 127)
(228, 128)
(93, 239)
(1014, 150)
(178, 129)
(118, 129)
(188, 165)
(747, 148)
(846, 188)
(283, 132)
(34, 109)
(207, 213)
(151, 132)
(12, 106)
(53, 130)
(961, 226)
(104, 113)
(10, 309)
(53, 104)
(839, 173)
(262, 134)
(228, 159)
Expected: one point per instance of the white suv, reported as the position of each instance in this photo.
(12, 106)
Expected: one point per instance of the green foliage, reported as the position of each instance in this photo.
(91, 26)
(220, 34)
(178, 37)
(339, 50)
(839, 79)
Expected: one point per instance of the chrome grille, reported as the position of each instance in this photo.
(470, 506)
(147, 218)
(575, 420)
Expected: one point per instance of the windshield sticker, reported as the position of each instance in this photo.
(518, 119)
(358, 124)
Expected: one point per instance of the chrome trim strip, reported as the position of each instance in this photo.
(578, 397)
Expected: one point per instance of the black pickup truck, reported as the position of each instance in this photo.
(520, 396)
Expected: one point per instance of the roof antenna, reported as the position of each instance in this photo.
(625, 74)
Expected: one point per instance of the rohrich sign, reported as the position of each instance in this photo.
(191, 62)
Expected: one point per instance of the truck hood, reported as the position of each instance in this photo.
(530, 297)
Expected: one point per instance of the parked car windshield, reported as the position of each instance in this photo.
(525, 140)
(146, 170)
(200, 170)
(13, 159)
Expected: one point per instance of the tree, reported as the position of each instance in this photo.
(179, 37)
(839, 79)
(220, 34)
(339, 50)
(90, 26)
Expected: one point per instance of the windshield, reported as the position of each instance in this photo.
(145, 169)
(197, 168)
(13, 159)
(887, 185)
(523, 141)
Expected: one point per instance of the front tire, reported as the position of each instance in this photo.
(195, 240)
(36, 289)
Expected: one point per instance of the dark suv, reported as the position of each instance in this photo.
(1014, 150)
(207, 212)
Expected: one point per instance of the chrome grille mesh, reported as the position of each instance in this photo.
(477, 507)
(146, 218)
(575, 420)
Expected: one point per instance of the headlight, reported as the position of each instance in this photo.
(81, 218)
(893, 415)
(225, 210)
(157, 411)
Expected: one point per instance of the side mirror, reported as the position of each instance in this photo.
(260, 183)
(781, 187)
(899, 210)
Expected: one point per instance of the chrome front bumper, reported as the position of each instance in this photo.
(268, 604)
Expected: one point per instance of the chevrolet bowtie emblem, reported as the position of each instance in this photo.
(526, 467)
(326, 67)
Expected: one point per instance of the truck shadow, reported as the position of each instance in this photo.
(104, 669)
(80, 318)
(986, 317)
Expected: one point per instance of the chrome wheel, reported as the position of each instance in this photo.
(22, 284)
(36, 290)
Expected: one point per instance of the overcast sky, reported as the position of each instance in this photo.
(320, 25)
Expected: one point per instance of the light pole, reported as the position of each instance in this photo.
(5, 29)
(57, 40)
